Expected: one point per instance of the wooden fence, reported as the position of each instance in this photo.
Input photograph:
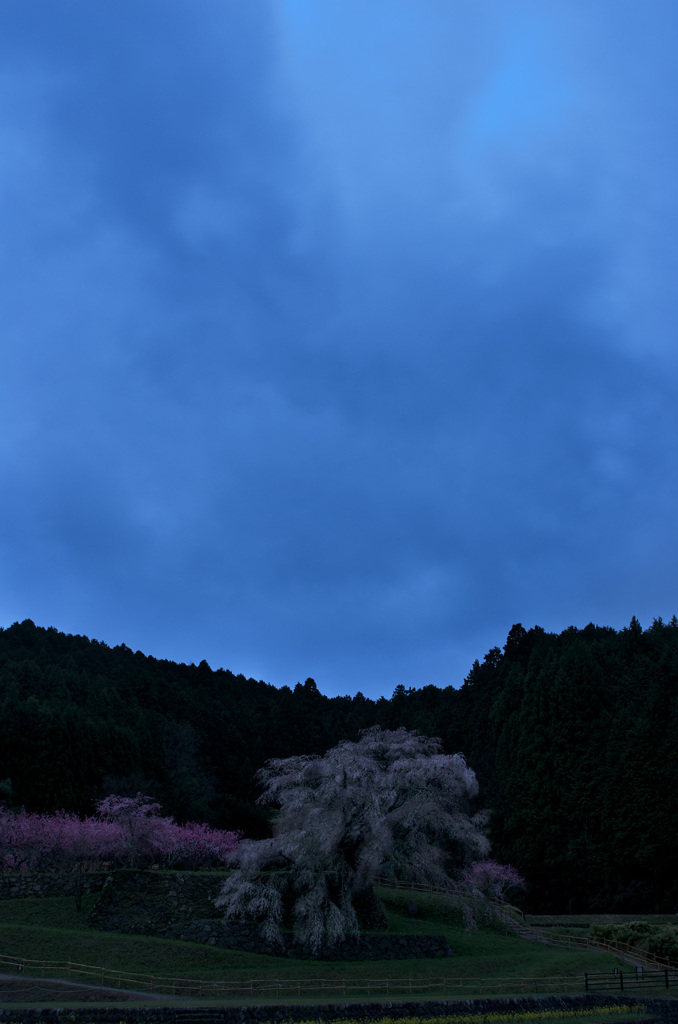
(503, 909)
(621, 981)
(649, 971)
(331, 988)
(344, 988)
(631, 954)
(515, 919)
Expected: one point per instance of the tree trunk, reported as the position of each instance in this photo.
(370, 911)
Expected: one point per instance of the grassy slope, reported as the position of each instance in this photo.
(51, 929)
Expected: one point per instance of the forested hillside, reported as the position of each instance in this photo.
(573, 737)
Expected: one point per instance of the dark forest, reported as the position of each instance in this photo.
(573, 737)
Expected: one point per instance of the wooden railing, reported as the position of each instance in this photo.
(631, 954)
(516, 919)
(620, 981)
(500, 906)
(654, 971)
(276, 988)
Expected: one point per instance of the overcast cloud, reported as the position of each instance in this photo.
(337, 336)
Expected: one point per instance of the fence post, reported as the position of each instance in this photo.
(621, 981)
(586, 982)
(666, 978)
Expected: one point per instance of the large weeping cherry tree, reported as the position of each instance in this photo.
(390, 804)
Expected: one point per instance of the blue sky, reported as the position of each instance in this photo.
(337, 335)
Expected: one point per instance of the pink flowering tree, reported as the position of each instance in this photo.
(20, 840)
(489, 879)
(143, 834)
(55, 842)
(199, 846)
(129, 831)
(146, 837)
(31, 842)
(82, 844)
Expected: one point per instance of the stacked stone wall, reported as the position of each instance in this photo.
(180, 905)
(45, 884)
(652, 1010)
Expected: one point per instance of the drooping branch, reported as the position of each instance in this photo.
(391, 803)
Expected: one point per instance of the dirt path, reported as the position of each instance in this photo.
(48, 990)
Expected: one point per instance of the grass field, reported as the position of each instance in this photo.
(52, 930)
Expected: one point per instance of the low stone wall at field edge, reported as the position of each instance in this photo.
(32, 884)
(663, 1010)
(180, 905)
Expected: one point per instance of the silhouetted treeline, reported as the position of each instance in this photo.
(573, 737)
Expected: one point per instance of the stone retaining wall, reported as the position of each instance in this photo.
(246, 937)
(663, 1010)
(46, 884)
(180, 905)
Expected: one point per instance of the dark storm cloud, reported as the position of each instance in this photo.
(324, 345)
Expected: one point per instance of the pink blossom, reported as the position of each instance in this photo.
(126, 830)
(489, 878)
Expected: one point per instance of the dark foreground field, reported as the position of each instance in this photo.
(50, 935)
